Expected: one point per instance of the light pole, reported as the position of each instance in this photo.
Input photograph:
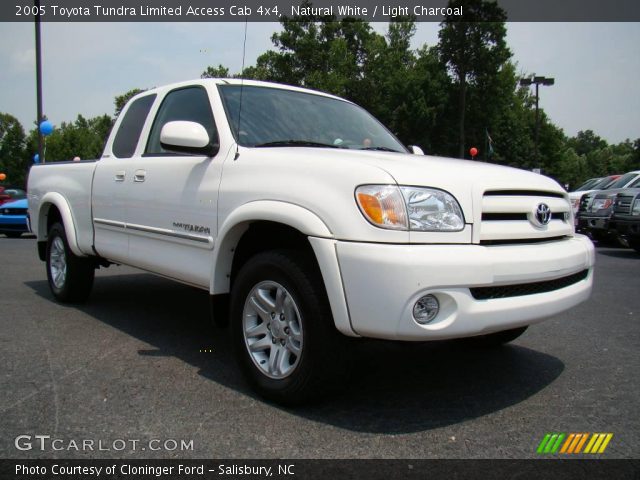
(525, 82)
(38, 79)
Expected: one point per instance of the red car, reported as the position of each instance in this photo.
(9, 194)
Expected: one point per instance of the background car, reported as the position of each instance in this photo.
(625, 221)
(576, 195)
(596, 210)
(8, 194)
(588, 184)
(13, 218)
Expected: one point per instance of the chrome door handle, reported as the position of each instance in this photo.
(139, 176)
(120, 176)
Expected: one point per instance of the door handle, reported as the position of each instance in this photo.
(120, 176)
(140, 176)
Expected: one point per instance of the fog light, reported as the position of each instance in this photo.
(426, 309)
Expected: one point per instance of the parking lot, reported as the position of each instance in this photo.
(140, 361)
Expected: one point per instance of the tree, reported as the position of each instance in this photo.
(474, 52)
(586, 141)
(84, 138)
(13, 160)
(121, 100)
(216, 72)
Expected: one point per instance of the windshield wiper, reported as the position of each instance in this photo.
(381, 149)
(296, 143)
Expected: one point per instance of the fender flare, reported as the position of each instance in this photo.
(57, 200)
(238, 222)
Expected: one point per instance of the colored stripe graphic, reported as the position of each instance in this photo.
(593, 440)
(573, 443)
(558, 442)
(598, 443)
(607, 439)
(543, 443)
(584, 439)
(568, 442)
(576, 439)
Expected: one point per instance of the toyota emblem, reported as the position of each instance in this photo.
(543, 214)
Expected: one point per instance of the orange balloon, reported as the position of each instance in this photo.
(2, 176)
(473, 151)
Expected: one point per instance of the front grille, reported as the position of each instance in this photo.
(516, 216)
(519, 290)
(523, 193)
(13, 211)
(509, 216)
(584, 203)
(623, 204)
(524, 241)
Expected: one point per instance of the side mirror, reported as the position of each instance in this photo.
(416, 150)
(187, 137)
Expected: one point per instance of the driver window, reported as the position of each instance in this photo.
(190, 104)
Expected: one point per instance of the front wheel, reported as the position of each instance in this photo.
(635, 244)
(282, 328)
(70, 277)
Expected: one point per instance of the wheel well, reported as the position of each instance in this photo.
(53, 216)
(263, 236)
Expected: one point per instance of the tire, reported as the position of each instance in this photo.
(282, 329)
(497, 339)
(13, 234)
(70, 277)
(635, 244)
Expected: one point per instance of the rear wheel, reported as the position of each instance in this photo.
(282, 328)
(70, 277)
(13, 234)
(496, 339)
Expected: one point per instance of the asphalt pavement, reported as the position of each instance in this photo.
(139, 366)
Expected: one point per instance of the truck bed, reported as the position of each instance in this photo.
(71, 180)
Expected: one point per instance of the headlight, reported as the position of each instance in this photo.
(601, 203)
(636, 207)
(383, 206)
(410, 208)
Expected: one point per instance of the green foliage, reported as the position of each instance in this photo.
(121, 100)
(13, 162)
(84, 138)
(444, 98)
(216, 72)
(475, 53)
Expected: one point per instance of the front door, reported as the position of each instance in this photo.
(172, 214)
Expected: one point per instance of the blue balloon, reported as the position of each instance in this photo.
(36, 158)
(46, 128)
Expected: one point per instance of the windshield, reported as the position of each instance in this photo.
(603, 183)
(622, 181)
(274, 117)
(588, 184)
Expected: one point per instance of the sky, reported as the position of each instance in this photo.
(596, 66)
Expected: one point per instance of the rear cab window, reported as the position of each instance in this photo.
(126, 140)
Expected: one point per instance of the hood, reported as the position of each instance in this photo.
(465, 179)
(22, 203)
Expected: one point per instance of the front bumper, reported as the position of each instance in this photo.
(13, 223)
(626, 228)
(382, 282)
(593, 223)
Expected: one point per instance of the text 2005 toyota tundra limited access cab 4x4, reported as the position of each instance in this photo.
(315, 222)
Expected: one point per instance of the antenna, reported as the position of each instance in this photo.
(244, 50)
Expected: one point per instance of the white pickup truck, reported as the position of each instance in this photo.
(313, 223)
